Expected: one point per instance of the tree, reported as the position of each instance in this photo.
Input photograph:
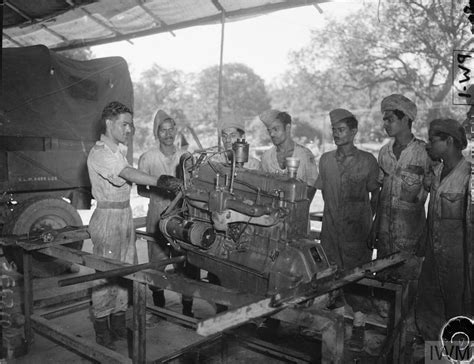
(159, 88)
(243, 92)
(354, 61)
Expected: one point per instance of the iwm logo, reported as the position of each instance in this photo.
(463, 63)
(456, 344)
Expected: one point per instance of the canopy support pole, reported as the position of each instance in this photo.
(221, 65)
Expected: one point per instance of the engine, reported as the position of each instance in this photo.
(247, 227)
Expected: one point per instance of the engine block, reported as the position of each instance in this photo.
(249, 228)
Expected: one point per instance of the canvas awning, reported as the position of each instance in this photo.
(65, 24)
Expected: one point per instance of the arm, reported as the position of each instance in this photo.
(136, 176)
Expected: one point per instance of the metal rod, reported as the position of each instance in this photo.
(103, 24)
(118, 272)
(219, 92)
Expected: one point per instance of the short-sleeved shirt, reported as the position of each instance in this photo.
(105, 162)
(445, 288)
(403, 196)
(154, 162)
(307, 171)
(345, 181)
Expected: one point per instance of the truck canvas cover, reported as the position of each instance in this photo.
(48, 95)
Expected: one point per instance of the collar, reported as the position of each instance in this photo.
(112, 146)
(392, 142)
(351, 152)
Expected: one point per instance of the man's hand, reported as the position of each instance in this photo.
(169, 183)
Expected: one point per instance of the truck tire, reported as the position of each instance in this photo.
(34, 215)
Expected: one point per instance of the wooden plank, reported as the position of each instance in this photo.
(85, 347)
(290, 297)
(139, 325)
(172, 282)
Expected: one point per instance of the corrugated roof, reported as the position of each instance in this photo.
(64, 24)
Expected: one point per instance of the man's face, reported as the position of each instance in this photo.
(342, 134)
(278, 132)
(120, 128)
(393, 125)
(436, 147)
(230, 136)
(167, 133)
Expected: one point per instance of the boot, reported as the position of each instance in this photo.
(159, 298)
(187, 306)
(102, 333)
(117, 326)
(356, 342)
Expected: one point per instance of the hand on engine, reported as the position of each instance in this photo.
(169, 183)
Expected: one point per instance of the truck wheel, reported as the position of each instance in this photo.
(35, 215)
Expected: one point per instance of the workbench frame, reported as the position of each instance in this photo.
(328, 324)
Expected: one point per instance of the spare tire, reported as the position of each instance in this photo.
(35, 215)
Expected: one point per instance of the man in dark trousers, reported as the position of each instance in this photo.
(348, 181)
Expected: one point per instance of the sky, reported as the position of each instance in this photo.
(263, 43)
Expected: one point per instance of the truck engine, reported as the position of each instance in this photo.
(248, 228)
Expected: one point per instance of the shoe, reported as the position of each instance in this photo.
(102, 332)
(356, 342)
(159, 298)
(118, 326)
(74, 268)
(187, 307)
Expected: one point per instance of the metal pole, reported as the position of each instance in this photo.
(219, 95)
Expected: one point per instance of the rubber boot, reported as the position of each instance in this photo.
(159, 298)
(117, 326)
(187, 306)
(102, 332)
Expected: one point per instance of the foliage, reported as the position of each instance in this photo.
(355, 61)
(243, 92)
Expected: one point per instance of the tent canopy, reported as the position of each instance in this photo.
(66, 24)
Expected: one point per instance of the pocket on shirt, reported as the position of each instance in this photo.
(356, 188)
(410, 186)
(452, 206)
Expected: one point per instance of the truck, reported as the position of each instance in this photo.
(50, 115)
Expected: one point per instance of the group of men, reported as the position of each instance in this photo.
(367, 204)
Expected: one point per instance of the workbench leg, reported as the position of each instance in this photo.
(28, 296)
(398, 344)
(139, 325)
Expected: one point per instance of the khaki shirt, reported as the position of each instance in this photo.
(403, 196)
(105, 162)
(307, 171)
(345, 181)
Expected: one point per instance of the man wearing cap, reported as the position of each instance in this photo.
(445, 288)
(347, 176)
(231, 130)
(111, 225)
(163, 158)
(404, 176)
(278, 125)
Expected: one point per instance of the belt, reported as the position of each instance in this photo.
(113, 204)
